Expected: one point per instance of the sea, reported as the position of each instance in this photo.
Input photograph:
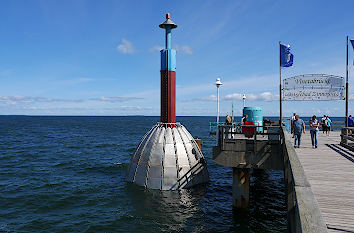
(67, 174)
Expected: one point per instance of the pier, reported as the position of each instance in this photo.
(330, 172)
(319, 182)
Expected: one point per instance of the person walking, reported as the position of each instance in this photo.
(350, 121)
(323, 124)
(299, 128)
(328, 123)
(350, 124)
(292, 123)
(228, 125)
(314, 131)
(244, 119)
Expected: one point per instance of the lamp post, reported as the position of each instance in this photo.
(244, 100)
(218, 83)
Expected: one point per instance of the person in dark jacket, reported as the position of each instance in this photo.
(299, 128)
(350, 121)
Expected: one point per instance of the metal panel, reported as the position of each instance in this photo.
(170, 173)
(170, 184)
(168, 136)
(189, 148)
(182, 155)
(156, 155)
(183, 171)
(170, 178)
(155, 172)
(169, 161)
(141, 146)
(170, 158)
(177, 136)
(148, 148)
(140, 176)
(131, 172)
(154, 183)
(184, 136)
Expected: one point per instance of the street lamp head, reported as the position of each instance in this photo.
(218, 82)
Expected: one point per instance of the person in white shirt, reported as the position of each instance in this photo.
(314, 130)
(292, 124)
(324, 129)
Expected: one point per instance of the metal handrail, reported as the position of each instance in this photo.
(347, 138)
(225, 134)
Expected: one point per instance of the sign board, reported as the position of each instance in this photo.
(313, 87)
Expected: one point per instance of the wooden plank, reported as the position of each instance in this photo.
(330, 172)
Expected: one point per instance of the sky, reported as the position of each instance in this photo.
(102, 57)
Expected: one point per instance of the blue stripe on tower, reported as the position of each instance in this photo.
(171, 59)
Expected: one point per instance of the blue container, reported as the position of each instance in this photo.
(254, 114)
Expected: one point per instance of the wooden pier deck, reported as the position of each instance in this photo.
(330, 171)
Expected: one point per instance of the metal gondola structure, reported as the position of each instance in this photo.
(168, 157)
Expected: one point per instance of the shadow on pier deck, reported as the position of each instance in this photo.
(319, 182)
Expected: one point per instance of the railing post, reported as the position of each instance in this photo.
(255, 141)
(344, 132)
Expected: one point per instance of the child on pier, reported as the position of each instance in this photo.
(299, 127)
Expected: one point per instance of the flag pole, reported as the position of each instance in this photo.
(232, 119)
(280, 99)
(346, 87)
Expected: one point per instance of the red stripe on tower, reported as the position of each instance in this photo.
(168, 96)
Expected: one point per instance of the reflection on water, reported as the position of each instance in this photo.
(208, 208)
(167, 210)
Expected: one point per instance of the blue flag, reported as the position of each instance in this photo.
(286, 58)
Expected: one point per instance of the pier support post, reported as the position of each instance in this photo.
(240, 187)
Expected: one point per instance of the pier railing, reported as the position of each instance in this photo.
(250, 132)
(304, 214)
(347, 138)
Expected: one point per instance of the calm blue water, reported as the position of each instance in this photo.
(66, 174)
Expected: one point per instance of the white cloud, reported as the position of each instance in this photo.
(135, 108)
(115, 99)
(234, 96)
(184, 49)
(12, 100)
(265, 96)
(207, 99)
(155, 48)
(126, 47)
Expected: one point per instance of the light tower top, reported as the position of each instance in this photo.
(168, 22)
(218, 82)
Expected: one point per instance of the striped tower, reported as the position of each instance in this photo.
(168, 75)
